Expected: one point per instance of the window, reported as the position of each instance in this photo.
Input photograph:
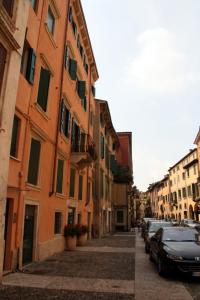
(189, 191)
(8, 5)
(3, 54)
(14, 140)
(70, 14)
(81, 87)
(74, 28)
(34, 4)
(58, 222)
(179, 194)
(50, 21)
(85, 103)
(75, 137)
(184, 192)
(79, 219)
(43, 89)
(101, 183)
(120, 216)
(67, 57)
(72, 182)
(28, 63)
(65, 120)
(71, 216)
(183, 175)
(72, 68)
(188, 172)
(93, 91)
(34, 159)
(102, 146)
(80, 187)
(59, 185)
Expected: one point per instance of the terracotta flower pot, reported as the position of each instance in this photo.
(82, 239)
(71, 242)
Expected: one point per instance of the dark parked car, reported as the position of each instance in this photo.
(144, 225)
(176, 248)
(190, 223)
(151, 229)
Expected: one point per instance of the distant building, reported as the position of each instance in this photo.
(106, 141)
(123, 180)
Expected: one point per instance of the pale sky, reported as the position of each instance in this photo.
(148, 57)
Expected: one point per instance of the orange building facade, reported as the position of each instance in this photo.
(52, 151)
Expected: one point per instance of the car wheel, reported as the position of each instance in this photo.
(146, 249)
(162, 271)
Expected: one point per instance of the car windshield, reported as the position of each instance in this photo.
(179, 235)
(155, 226)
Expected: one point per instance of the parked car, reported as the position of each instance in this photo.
(190, 223)
(176, 248)
(151, 229)
(144, 225)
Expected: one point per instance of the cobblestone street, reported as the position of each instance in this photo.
(102, 270)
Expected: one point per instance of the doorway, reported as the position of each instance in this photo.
(28, 239)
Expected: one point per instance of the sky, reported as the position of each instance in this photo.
(148, 57)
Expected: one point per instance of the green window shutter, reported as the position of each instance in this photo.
(34, 162)
(43, 89)
(102, 147)
(13, 148)
(93, 91)
(81, 89)
(80, 188)
(72, 183)
(70, 14)
(68, 120)
(72, 68)
(85, 103)
(59, 185)
(66, 56)
(62, 116)
(30, 72)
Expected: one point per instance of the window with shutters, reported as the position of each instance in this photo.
(59, 184)
(80, 188)
(81, 88)
(43, 89)
(58, 223)
(65, 125)
(102, 146)
(85, 103)
(8, 5)
(3, 54)
(67, 57)
(184, 192)
(34, 160)
(75, 137)
(189, 191)
(72, 182)
(15, 135)
(72, 68)
(28, 63)
(74, 28)
(50, 21)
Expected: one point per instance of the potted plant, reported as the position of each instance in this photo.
(82, 231)
(70, 232)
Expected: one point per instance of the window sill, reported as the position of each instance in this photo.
(62, 196)
(33, 187)
(15, 159)
(50, 36)
(41, 111)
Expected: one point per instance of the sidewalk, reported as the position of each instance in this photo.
(104, 269)
(149, 285)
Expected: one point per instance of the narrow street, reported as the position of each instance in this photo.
(112, 268)
(104, 269)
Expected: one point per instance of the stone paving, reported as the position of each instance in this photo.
(102, 270)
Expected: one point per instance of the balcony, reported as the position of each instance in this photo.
(83, 151)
